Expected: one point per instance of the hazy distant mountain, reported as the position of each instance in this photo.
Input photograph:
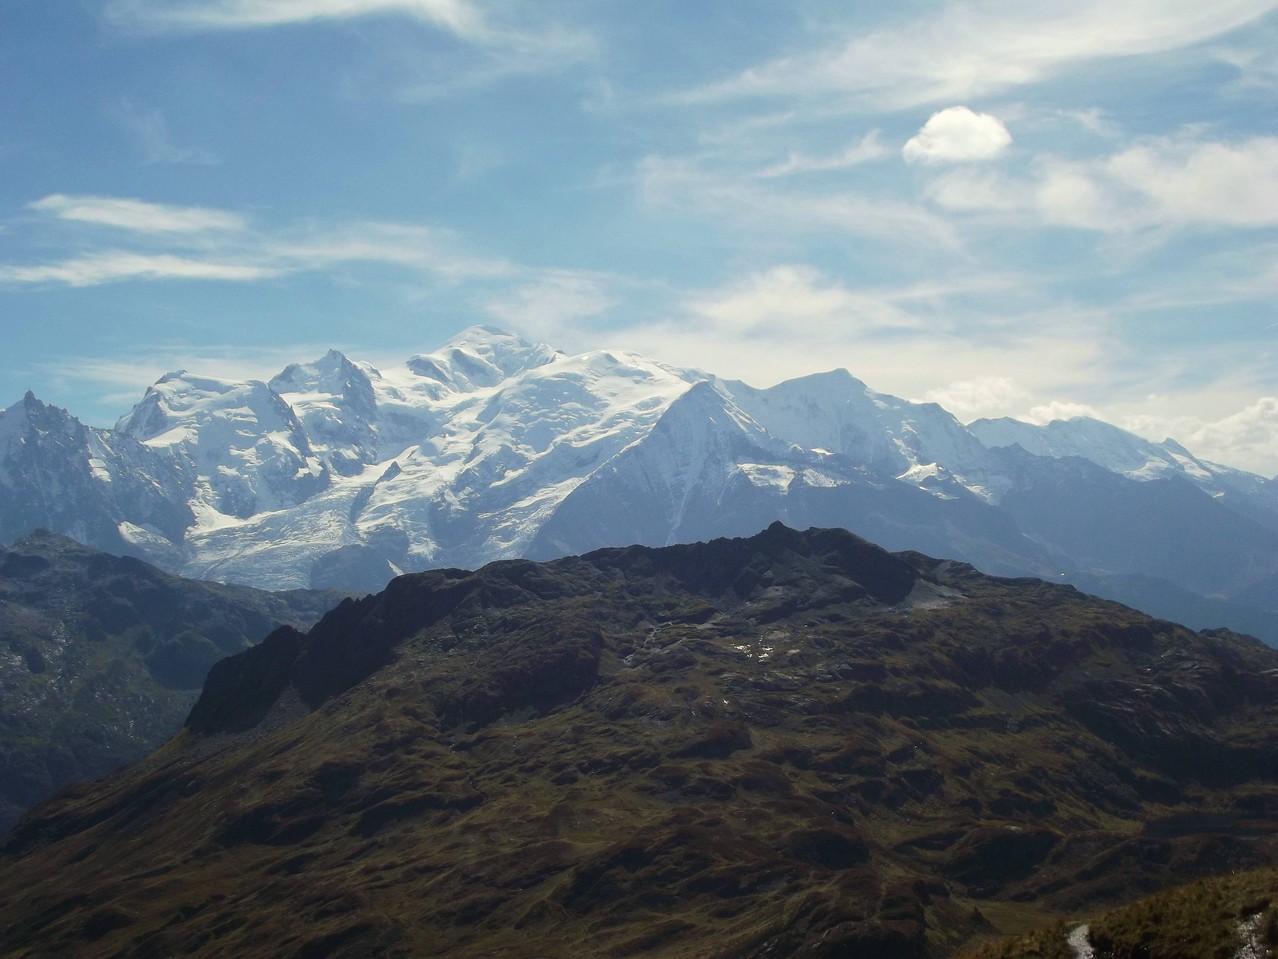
(335, 473)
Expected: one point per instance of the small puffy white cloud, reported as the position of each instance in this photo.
(982, 396)
(956, 135)
(137, 215)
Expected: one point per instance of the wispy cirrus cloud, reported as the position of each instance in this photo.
(456, 16)
(112, 266)
(552, 304)
(137, 215)
(150, 130)
(200, 243)
(689, 185)
(974, 49)
(424, 249)
(498, 40)
(869, 148)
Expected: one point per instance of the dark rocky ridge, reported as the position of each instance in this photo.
(794, 744)
(101, 658)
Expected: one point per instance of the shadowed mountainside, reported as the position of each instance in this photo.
(795, 744)
(101, 658)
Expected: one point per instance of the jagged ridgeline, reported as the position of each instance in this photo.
(795, 744)
(102, 657)
(335, 473)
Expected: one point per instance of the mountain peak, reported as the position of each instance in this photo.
(332, 373)
(480, 357)
(31, 411)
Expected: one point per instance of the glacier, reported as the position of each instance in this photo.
(337, 473)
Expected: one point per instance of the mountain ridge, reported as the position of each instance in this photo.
(336, 473)
(791, 744)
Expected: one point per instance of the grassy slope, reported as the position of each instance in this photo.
(612, 762)
(1214, 918)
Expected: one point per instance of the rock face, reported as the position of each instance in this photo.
(795, 744)
(101, 658)
(338, 474)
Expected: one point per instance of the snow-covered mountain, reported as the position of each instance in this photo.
(335, 473)
(1119, 452)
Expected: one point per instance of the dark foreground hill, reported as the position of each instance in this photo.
(101, 658)
(794, 744)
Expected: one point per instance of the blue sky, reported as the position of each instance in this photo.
(1012, 208)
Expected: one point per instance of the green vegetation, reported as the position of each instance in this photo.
(1219, 918)
(793, 745)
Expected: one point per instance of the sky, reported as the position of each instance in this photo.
(1034, 208)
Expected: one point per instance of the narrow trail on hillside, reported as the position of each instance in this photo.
(1078, 942)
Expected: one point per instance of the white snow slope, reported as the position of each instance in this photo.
(337, 473)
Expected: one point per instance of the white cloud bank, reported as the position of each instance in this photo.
(1165, 181)
(1247, 438)
(957, 134)
(982, 396)
(1234, 184)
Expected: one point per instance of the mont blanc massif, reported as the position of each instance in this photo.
(337, 474)
(657, 665)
